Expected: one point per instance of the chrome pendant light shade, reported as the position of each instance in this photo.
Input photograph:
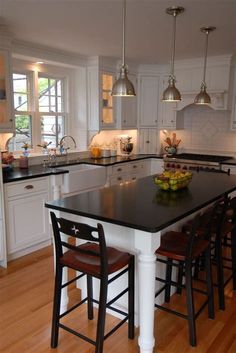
(123, 87)
(172, 94)
(203, 97)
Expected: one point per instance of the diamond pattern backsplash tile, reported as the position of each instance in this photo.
(207, 130)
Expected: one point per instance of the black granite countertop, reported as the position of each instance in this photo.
(38, 170)
(141, 205)
(35, 171)
(231, 161)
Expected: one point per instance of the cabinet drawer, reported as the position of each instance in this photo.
(29, 186)
(120, 169)
(137, 167)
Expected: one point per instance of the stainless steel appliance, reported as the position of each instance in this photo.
(197, 162)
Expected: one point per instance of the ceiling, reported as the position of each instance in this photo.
(94, 27)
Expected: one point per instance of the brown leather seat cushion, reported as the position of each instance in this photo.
(174, 246)
(90, 263)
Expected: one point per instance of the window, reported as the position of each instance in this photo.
(23, 117)
(39, 109)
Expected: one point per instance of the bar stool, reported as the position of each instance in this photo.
(223, 234)
(183, 249)
(93, 259)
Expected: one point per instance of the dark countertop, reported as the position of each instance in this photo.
(35, 171)
(38, 170)
(141, 205)
(229, 162)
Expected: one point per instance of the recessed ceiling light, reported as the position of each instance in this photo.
(39, 62)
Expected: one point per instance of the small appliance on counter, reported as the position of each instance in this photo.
(126, 146)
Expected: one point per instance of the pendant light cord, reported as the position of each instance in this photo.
(123, 37)
(205, 59)
(173, 45)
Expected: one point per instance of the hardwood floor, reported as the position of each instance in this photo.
(26, 289)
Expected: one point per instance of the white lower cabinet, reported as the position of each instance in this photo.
(128, 172)
(27, 220)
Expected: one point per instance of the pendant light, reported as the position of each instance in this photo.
(203, 97)
(171, 94)
(123, 87)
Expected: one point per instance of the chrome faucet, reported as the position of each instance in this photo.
(61, 143)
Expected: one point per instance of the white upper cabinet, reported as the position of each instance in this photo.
(167, 111)
(127, 108)
(101, 105)
(107, 102)
(148, 100)
(6, 89)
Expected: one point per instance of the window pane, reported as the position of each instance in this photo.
(20, 83)
(21, 101)
(50, 99)
(21, 92)
(23, 125)
(52, 129)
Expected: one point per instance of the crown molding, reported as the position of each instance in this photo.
(31, 51)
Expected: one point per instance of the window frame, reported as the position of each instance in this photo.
(33, 75)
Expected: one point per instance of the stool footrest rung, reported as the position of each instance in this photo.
(85, 338)
(73, 307)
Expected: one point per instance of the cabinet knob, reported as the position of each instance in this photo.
(119, 169)
(124, 121)
(147, 141)
(134, 178)
(119, 178)
(28, 187)
(155, 121)
(134, 166)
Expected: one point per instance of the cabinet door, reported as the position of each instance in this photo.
(148, 141)
(27, 221)
(129, 108)
(108, 103)
(6, 100)
(148, 101)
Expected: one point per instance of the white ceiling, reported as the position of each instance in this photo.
(94, 27)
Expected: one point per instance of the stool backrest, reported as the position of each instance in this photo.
(79, 231)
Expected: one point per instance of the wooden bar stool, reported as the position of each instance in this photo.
(223, 234)
(181, 249)
(93, 259)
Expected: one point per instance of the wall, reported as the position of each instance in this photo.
(110, 138)
(207, 131)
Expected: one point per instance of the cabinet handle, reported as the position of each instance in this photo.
(119, 178)
(124, 121)
(155, 121)
(134, 178)
(28, 187)
(119, 169)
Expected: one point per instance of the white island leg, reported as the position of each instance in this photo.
(146, 244)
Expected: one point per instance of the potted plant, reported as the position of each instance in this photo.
(44, 145)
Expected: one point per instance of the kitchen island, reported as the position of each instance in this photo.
(134, 216)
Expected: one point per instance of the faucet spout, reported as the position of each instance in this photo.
(63, 139)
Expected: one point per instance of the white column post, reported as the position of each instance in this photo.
(146, 243)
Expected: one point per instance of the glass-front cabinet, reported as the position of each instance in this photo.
(108, 118)
(6, 100)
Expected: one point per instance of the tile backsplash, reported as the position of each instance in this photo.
(207, 131)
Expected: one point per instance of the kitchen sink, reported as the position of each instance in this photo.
(82, 177)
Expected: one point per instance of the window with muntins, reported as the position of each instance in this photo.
(39, 103)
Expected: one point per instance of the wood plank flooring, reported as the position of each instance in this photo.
(26, 290)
